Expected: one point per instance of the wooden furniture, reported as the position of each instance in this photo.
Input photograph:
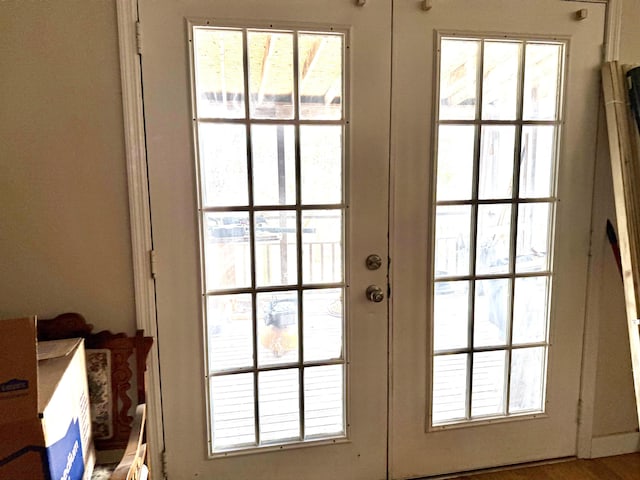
(116, 365)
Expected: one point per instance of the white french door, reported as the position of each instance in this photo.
(274, 133)
(268, 151)
(493, 146)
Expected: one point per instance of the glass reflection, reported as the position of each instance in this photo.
(494, 239)
(451, 315)
(458, 79)
(219, 72)
(270, 74)
(321, 77)
(453, 234)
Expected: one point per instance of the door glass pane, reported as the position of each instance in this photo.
(497, 145)
(530, 310)
(453, 224)
(541, 81)
(500, 80)
(491, 234)
(276, 260)
(274, 164)
(321, 79)
(277, 327)
(227, 254)
(232, 410)
(321, 164)
(223, 164)
(451, 315)
(272, 201)
(488, 383)
(449, 388)
(527, 380)
(537, 160)
(532, 247)
(219, 72)
(458, 79)
(494, 239)
(270, 74)
(323, 324)
(455, 162)
(230, 332)
(322, 246)
(491, 312)
(324, 400)
(279, 404)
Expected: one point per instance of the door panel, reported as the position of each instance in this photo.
(428, 439)
(241, 343)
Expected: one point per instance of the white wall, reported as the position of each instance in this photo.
(630, 35)
(64, 226)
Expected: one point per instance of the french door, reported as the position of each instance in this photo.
(268, 152)
(287, 164)
(493, 145)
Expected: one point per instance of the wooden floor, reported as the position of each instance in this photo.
(622, 467)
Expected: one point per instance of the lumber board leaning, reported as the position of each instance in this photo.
(624, 149)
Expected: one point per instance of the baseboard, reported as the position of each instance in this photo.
(617, 444)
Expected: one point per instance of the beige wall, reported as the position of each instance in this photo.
(64, 225)
(630, 35)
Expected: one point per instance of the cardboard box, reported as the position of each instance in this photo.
(45, 424)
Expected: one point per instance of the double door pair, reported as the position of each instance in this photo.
(288, 142)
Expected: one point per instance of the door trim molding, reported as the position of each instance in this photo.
(140, 214)
(585, 440)
(612, 30)
(615, 444)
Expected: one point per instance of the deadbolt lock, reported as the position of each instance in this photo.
(374, 262)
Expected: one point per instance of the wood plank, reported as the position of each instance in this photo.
(624, 147)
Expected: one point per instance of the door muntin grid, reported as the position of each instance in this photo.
(270, 132)
(499, 116)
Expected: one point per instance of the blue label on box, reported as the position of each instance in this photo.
(14, 385)
(65, 456)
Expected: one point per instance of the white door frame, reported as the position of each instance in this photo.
(142, 245)
(140, 217)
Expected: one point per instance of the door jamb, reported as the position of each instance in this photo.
(140, 216)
